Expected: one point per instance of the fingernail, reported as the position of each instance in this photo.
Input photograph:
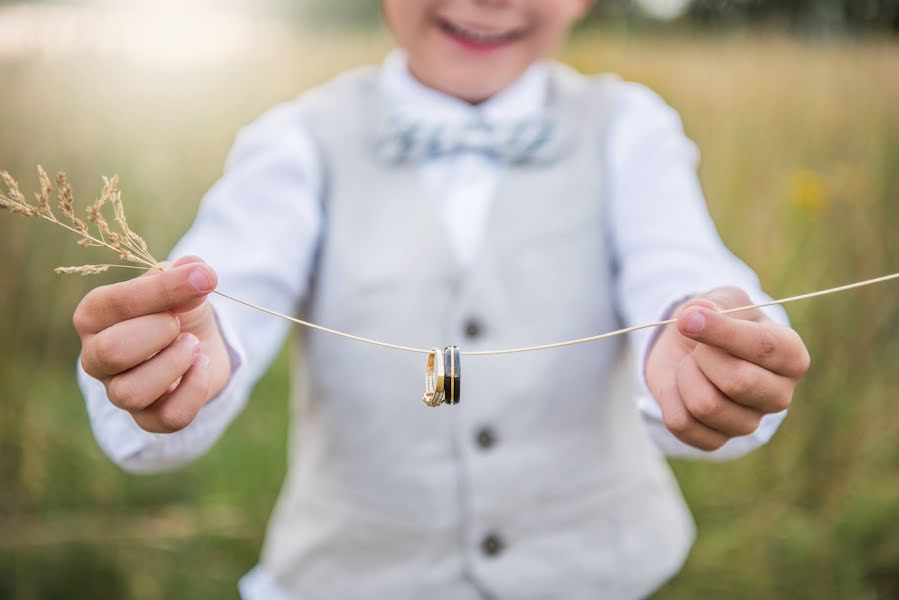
(200, 280)
(191, 341)
(202, 361)
(695, 322)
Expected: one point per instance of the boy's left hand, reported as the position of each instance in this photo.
(715, 376)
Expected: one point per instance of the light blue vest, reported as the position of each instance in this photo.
(542, 483)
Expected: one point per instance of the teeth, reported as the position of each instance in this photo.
(478, 36)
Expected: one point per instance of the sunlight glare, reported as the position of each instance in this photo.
(159, 33)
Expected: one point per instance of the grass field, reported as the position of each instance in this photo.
(800, 145)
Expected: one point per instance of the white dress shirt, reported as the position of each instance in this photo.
(259, 228)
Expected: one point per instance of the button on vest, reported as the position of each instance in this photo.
(473, 328)
(492, 544)
(485, 438)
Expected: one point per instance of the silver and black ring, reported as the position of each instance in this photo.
(452, 383)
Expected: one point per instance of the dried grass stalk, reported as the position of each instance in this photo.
(129, 246)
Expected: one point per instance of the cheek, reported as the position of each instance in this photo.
(407, 20)
(552, 29)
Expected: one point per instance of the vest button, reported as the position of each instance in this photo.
(492, 544)
(485, 438)
(473, 328)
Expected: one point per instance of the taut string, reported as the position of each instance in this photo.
(584, 340)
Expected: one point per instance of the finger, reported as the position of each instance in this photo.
(127, 344)
(743, 381)
(692, 303)
(112, 304)
(709, 406)
(684, 425)
(176, 410)
(771, 346)
(140, 387)
(733, 297)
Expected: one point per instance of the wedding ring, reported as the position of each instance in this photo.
(439, 373)
(435, 393)
(452, 385)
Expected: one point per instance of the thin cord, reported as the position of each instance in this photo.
(325, 329)
(592, 338)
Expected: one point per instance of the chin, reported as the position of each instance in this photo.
(473, 85)
(473, 92)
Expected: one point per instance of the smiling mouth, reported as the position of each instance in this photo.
(479, 37)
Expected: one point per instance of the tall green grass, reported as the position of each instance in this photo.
(800, 146)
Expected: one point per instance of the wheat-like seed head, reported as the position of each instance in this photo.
(67, 202)
(129, 246)
(13, 200)
(83, 270)
(46, 190)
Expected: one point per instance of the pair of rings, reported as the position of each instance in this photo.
(443, 376)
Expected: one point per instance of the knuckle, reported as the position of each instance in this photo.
(737, 295)
(742, 381)
(782, 402)
(711, 444)
(144, 422)
(123, 393)
(803, 358)
(678, 424)
(805, 362)
(88, 366)
(174, 417)
(747, 425)
(705, 406)
(80, 319)
(766, 345)
(90, 305)
(107, 353)
(172, 326)
(729, 297)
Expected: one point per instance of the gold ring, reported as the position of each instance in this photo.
(435, 392)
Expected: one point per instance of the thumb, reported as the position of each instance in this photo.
(168, 266)
(195, 316)
(682, 314)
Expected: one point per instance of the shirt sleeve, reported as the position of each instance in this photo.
(258, 227)
(665, 245)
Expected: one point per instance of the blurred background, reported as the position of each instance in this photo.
(793, 103)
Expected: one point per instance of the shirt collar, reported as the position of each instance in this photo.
(408, 96)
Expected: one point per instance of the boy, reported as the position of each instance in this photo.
(472, 192)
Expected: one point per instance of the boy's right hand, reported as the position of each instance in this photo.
(155, 344)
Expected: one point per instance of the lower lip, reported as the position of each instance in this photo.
(473, 46)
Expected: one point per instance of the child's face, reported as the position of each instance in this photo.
(472, 49)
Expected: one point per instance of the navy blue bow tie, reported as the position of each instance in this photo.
(514, 141)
